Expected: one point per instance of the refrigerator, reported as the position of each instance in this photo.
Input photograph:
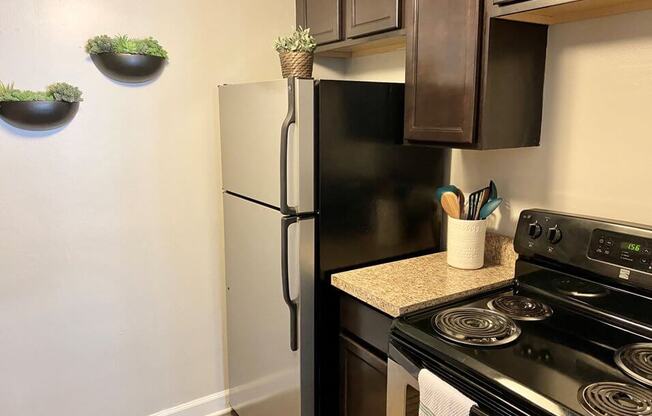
(316, 179)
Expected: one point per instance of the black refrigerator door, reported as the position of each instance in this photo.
(376, 196)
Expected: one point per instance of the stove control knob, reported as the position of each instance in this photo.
(535, 230)
(554, 235)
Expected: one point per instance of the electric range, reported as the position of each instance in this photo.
(571, 336)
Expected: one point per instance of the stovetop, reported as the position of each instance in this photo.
(556, 360)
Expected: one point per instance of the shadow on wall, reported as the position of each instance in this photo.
(595, 147)
(29, 134)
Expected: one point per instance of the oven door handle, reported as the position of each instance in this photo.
(411, 369)
(404, 361)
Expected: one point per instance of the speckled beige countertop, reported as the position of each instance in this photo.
(405, 286)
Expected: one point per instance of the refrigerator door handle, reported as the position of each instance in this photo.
(285, 276)
(290, 119)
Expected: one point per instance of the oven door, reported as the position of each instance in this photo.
(403, 387)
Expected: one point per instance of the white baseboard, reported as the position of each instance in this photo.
(216, 404)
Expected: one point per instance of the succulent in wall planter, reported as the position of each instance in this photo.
(39, 110)
(125, 59)
(296, 52)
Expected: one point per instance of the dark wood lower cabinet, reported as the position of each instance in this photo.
(363, 380)
(352, 357)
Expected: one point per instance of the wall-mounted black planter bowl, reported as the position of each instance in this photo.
(124, 67)
(38, 115)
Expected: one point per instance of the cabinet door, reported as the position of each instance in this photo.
(442, 70)
(363, 380)
(323, 17)
(370, 16)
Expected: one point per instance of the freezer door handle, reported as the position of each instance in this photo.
(285, 276)
(290, 118)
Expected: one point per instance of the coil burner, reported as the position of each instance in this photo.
(521, 308)
(579, 288)
(616, 399)
(636, 361)
(475, 326)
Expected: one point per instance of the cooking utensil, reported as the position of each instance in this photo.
(446, 188)
(493, 194)
(460, 198)
(451, 204)
(490, 207)
(475, 203)
(484, 198)
(472, 201)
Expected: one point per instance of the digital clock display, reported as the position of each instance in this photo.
(630, 246)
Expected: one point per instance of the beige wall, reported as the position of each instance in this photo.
(111, 279)
(596, 146)
(383, 67)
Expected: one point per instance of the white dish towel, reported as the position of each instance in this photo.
(439, 398)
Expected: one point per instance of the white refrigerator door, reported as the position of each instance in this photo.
(266, 377)
(264, 126)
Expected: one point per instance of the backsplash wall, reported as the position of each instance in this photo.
(595, 151)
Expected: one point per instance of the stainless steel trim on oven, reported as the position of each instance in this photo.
(398, 381)
(402, 377)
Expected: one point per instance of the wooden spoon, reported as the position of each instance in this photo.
(451, 204)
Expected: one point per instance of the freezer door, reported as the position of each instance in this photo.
(267, 139)
(270, 350)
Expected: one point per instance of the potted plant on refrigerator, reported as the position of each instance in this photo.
(126, 59)
(296, 52)
(39, 110)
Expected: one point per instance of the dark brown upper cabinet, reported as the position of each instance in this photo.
(442, 70)
(323, 17)
(365, 17)
(349, 28)
(472, 81)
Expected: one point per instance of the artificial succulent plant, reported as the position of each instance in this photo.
(55, 92)
(298, 41)
(125, 44)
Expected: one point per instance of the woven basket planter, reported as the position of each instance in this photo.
(296, 64)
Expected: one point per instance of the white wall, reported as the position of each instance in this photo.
(596, 146)
(111, 280)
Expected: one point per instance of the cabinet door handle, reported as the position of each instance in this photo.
(290, 119)
(285, 278)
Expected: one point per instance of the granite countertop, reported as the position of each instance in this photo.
(405, 286)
